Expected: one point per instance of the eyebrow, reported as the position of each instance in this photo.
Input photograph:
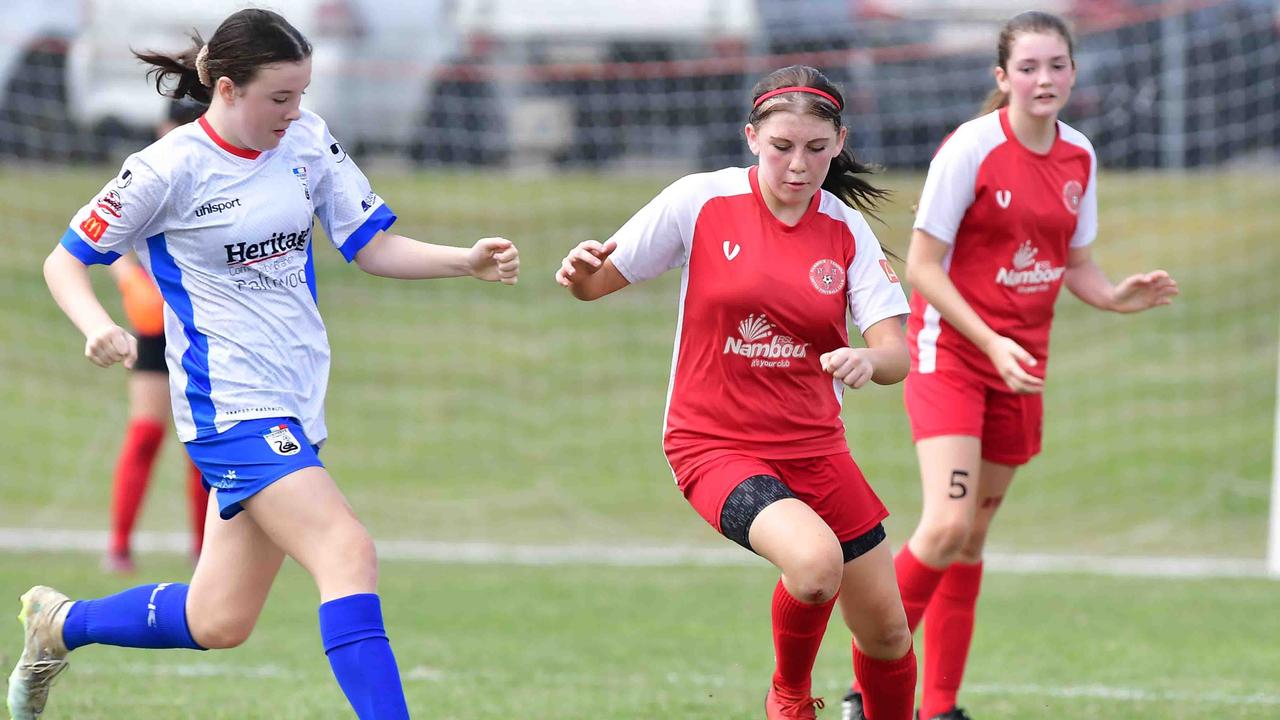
(776, 138)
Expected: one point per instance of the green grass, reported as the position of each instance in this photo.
(462, 411)
(599, 643)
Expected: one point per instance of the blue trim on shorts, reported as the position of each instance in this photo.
(195, 361)
(241, 461)
(84, 252)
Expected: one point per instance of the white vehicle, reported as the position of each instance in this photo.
(371, 63)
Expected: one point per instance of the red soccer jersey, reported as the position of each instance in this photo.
(759, 303)
(1010, 216)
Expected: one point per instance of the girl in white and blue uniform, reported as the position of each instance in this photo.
(221, 212)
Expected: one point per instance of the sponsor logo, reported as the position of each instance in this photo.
(337, 152)
(1071, 193)
(125, 178)
(757, 342)
(369, 201)
(110, 202)
(275, 246)
(888, 270)
(1028, 274)
(94, 226)
(282, 441)
(827, 277)
(300, 172)
(214, 207)
(1003, 198)
(730, 254)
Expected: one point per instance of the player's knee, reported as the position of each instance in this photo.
(220, 632)
(970, 551)
(351, 551)
(813, 573)
(945, 540)
(888, 641)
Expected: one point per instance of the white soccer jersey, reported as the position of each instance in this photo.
(226, 233)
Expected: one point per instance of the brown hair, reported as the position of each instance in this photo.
(842, 179)
(243, 43)
(1028, 22)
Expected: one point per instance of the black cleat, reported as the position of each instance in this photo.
(851, 708)
(954, 713)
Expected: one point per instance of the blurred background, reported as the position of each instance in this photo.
(519, 427)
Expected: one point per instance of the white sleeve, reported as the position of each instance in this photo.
(350, 212)
(874, 291)
(654, 240)
(948, 188)
(122, 214)
(1087, 217)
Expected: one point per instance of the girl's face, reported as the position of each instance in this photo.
(795, 151)
(261, 111)
(1040, 74)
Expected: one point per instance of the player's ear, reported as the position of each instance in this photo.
(753, 140)
(225, 89)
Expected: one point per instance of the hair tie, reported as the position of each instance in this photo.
(202, 66)
(798, 88)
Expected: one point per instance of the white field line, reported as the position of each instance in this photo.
(483, 553)
(427, 674)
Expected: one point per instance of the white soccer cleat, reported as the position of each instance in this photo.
(44, 655)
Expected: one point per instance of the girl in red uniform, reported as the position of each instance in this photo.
(1007, 215)
(774, 258)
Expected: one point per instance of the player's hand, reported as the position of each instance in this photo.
(1010, 358)
(110, 345)
(142, 302)
(583, 261)
(494, 259)
(1143, 292)
(851, 366)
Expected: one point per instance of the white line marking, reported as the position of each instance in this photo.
(482, 553)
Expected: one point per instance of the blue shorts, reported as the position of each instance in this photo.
(249, 456)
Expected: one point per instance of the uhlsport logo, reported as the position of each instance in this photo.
(757, 342)
(214, 207)
(827, 277)
(1071, 193)
(1028, 274)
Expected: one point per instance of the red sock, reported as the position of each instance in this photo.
(133, 471)
(948, 630)
(916, 584)
(198, 498)
(888, 686)
(797, 632)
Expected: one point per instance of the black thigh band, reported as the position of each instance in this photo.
(150, 354)
(863, 544)
(745, 503)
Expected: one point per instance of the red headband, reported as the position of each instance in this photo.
(797, 88)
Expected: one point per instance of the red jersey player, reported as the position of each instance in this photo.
(774, 258)
(1007, 215)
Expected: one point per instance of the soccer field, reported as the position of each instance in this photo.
(465, 412)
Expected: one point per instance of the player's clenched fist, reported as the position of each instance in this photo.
(851, 366)
(495, 259)
(583, 261)
(111, 345)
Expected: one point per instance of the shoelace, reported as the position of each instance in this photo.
(45, 671)
(799, 705)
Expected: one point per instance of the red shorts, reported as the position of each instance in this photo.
(954, 403)
(830, 484)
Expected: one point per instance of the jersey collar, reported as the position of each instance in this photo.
(222, 143)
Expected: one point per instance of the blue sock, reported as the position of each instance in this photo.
(361, 657)
(148, 616)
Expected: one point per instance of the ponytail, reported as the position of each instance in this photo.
(183, 67)
(996, 99)
(843, 182)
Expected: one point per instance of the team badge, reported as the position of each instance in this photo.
(301, 173)
(282, 441)
(827, 277)
(94, 226)
(1071, 193)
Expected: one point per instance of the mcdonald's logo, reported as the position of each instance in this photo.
(93, 226)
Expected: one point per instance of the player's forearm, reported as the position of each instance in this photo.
(931, 281)
(891, 364)
(1087, 282)
(396, 256)
(68, 281)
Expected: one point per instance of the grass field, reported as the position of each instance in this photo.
(467, 412)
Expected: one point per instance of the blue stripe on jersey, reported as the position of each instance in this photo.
(84, 252)
(380, 219)
(311, 271)
(195, 361)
